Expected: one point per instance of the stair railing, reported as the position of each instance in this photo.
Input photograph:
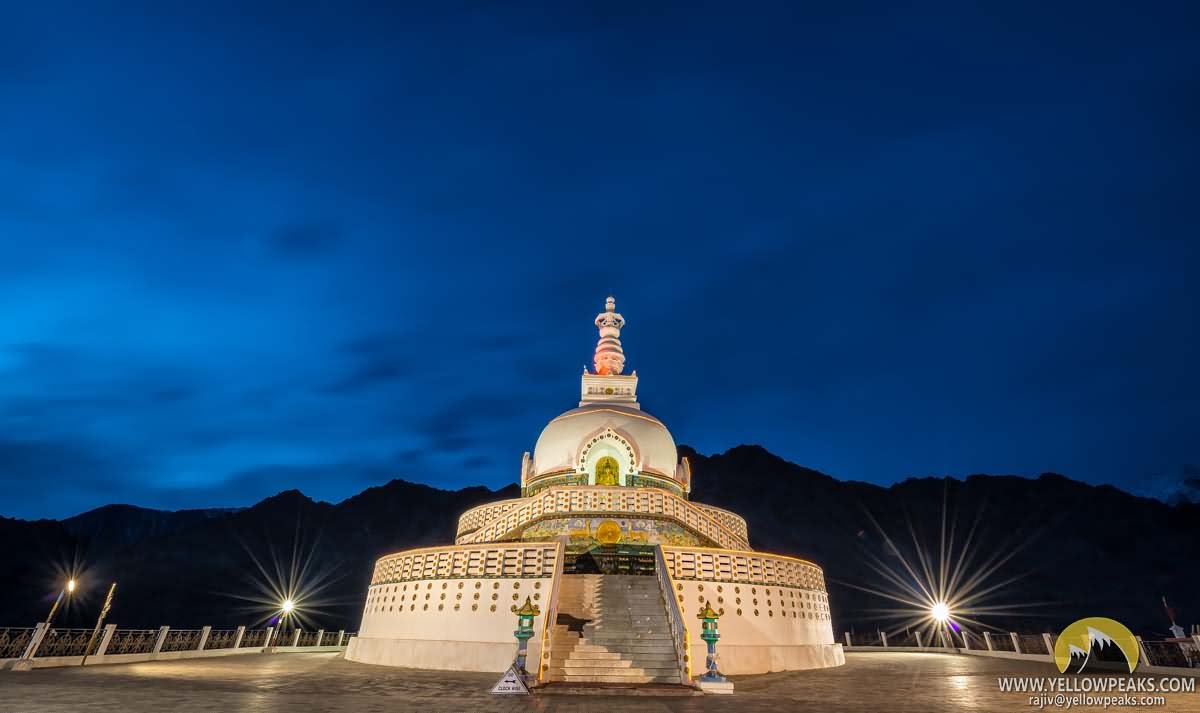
(679, 633)
(556, 581)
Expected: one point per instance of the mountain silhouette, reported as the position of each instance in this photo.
(1076, 549)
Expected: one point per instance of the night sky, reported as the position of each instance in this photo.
(245, 249)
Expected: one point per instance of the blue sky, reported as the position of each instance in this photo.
(249, 247)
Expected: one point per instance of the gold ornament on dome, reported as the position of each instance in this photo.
(607, 471)
(609, 533)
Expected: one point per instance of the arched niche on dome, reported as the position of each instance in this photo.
(608, 457)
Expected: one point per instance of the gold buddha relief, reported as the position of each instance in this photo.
(608, 472)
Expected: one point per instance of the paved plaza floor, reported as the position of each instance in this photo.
(296, 683)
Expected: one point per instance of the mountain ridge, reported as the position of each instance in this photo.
(189, 568)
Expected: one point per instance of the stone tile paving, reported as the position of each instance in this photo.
(295, 683)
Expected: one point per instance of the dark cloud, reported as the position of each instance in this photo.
(817, 246)
(42, 478)
(305, 240)
(370, 374)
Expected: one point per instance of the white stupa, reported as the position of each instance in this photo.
(605, 542)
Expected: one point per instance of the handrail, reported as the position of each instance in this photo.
(556, 581)
(674, 616)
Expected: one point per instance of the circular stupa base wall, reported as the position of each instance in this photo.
(450, 608)
(774, 610)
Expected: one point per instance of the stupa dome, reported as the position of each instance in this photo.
(578, 439)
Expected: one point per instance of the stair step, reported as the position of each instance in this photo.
(648, 658)
(619, 671)
(626, 635)
(617, 678)
(628, 651)
(613, 629)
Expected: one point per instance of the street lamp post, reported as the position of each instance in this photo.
(712, 681)
(524, 631)
(99, 621)
(67, 590)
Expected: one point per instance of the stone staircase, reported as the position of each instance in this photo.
(612, 628)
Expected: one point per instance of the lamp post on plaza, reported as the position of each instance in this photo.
(99, 621)
(67, 590)
(285, 611)
(712, 680)
(524, 631)
(515, 679)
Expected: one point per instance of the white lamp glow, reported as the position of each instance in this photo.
(288, 606)
(941, 612)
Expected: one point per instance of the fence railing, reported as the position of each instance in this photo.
(1172, 653)
(63, 646)
(67, 642)
(181, 640)
(221, 639)
(132, 641)
(14, 641)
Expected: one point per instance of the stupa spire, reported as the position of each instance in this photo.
(610, 358)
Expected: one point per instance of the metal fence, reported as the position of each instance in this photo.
(67, 642)
(307, 638)
(181, 640)
(13, 642)
(132, 641)
(254, 638)
(1171, 653)
(1032, 644)
(221, 639)
(45, 643)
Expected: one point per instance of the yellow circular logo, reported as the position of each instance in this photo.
(1075, 643)
(609, 533)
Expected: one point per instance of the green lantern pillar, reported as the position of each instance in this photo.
(524, 631)
(710, 635)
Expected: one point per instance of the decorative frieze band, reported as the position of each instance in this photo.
(517, 560)
(652, 502)
(685, 563)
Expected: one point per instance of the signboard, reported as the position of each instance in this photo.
(511, 682)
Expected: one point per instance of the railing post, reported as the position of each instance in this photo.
(883, 638)
(1049, 644)
(1016, 642)
(320, 635)
(296, 638)
(267, 641)
(204, 632)
(966, 641)
(39, 633)
(919, 644)
(109, 630)
(237, 640)
(162, 638)
(341, 635)
(987, 639)
(1145, 653)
